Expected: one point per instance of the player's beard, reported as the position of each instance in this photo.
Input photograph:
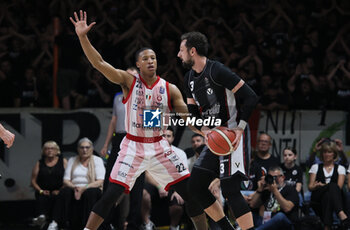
(188, 64)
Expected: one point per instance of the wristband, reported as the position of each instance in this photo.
(158, 186)
(242, 124)
(87, 185)
(41, 191)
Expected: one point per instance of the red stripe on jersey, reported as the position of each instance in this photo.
(127, 189)
(143, 139)
(143, 81)
(176, 181)
(168, 93)
(130, 91)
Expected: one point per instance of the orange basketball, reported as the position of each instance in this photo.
(220, 141)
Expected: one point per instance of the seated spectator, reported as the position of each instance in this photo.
(314, 159)
(83, 179)
(279, 201)
(47, 180)
(262, 161)
(293, 173)
(326, 182)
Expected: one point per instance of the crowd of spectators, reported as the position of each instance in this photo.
(294, 54)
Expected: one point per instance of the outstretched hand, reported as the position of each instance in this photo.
(81, 27)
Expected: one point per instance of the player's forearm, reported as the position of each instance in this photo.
(90, 52)
(111, 129)
(250, 99)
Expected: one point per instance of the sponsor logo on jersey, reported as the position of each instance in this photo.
(161, 90)
(139, 100)
(214, 110)
(139, 92)
(209, 91)
(159, 98)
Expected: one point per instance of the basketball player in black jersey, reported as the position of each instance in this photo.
(213, 90)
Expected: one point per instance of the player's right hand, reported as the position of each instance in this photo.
(103, 151)
(81, 27)
(205, 130)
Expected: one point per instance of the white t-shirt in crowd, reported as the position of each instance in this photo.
(328, 175)
(79, 176)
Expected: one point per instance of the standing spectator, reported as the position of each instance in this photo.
(47, 180)
(83, 180)
(28, 92)
(67, 75)
(326, 183)
(279, 200)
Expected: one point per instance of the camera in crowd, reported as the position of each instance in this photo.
(270, 179)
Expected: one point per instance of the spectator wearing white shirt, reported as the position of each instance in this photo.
(83, 180)
(326, 183)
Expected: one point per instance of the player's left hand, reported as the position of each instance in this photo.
(236, 141)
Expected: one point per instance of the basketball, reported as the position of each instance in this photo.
(220, 141)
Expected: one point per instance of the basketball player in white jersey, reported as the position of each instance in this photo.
(143, 148)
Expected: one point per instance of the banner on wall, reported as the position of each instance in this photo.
(302, 129)
(33, 127)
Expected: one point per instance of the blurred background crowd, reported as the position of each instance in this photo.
(294, 54)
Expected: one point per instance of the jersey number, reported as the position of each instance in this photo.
(180, 167)
(222, 168)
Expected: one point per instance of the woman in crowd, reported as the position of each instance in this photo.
(292, 172)
(47, 180)
(326, 183)
(83, 180)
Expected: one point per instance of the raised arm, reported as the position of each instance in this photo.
(117, 76)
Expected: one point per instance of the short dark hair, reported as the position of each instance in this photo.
(170, 129)
(197, 135)
(197, 40)
(137, 54)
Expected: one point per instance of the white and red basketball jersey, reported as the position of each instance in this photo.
(142, 97)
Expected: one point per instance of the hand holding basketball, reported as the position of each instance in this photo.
(222, 141)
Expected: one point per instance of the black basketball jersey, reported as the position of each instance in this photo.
(213, 91)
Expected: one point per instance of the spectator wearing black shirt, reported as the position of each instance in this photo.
(263, 159)
(292, 172)
(279, 200)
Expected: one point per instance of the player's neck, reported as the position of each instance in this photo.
(149, 79)
(199, 64)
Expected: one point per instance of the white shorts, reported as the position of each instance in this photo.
(158, 158)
